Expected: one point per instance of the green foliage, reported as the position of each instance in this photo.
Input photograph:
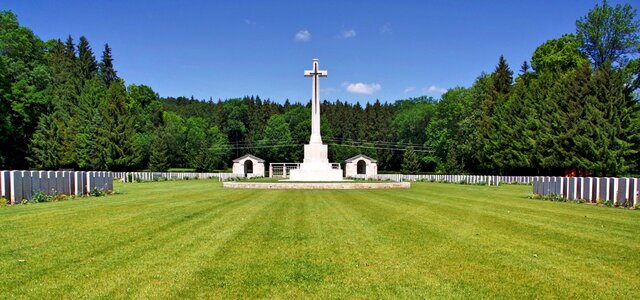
(96, 192)
(410, 162)
(24, 77)
(560, 54)
(276, 140)
(61, 108)
(40, 196)
(609, 35)
(159, 160)
(107, 72)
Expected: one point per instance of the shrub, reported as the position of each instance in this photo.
(554, 197)
(608, 203)
(96, 192)
(40, 196)
(535, 196)
(4, 201)
(60, 197)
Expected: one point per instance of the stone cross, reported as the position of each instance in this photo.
(315, 101)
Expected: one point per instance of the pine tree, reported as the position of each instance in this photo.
(44, 146)
(581, 120)
(98, 143)
(119, 121)
(410, 161)
(70, 48)
(87, 65)
(107, 72)
(502, 77)
(159, 159)
(618, 131)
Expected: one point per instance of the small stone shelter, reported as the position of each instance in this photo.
(361, 165)
(249, 166)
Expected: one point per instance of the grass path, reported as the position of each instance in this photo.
(194, 239)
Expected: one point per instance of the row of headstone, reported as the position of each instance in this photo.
(591, 189)
(467, 179)
(17, 186)
(151, 176)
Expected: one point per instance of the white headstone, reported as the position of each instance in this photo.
(587, 188)
(572, 189)
(4, 184)
(51, 175)
(44, 182)
(613, 190)
(26, 185)
(15, 182)
(35, 181)
(603, 185)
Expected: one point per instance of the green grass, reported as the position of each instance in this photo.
(194, 239)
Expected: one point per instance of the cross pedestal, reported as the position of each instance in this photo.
(316, 166)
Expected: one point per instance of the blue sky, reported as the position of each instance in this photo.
(385, 50)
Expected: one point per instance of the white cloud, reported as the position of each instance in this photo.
(409, 89)
(362, 88)
(347, 34)
(434, 90)
(386, 28)
(303, 35)
(249, 22)
(328, 90)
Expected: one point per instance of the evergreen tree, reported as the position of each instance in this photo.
(87, 65)
(580, 124)
(524, 69)
(275, 143)
(502, 77)
(70, 48)
(410, 161)
(107, 72)
(44, 146)
(159, 159)
(119, 121)
(618, 131)
(98, 145)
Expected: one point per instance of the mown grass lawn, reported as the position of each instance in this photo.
(195, 239)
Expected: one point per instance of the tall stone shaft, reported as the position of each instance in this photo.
(315, 73)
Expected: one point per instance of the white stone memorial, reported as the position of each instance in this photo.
(361, 165)
(315, 166)
(248, 166)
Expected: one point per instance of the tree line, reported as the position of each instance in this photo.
(572, 108)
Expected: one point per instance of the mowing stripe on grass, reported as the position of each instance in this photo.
(193, 239)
